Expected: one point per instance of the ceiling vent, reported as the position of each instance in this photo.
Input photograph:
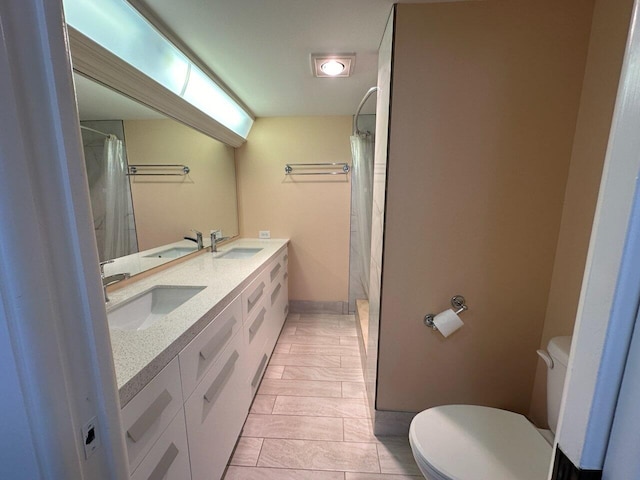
(324, 65)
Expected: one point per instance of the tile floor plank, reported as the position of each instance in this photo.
(354, 390)
(263, 404)
(310, 339)
(306, 360)
(257, 473)
(321, 407)
(300, 388)
(345, 350)
(293, 427)
(317, 455)
(325, 374)
(329, 331)
(246, 452)
(396, 457)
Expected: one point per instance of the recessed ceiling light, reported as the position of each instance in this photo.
(332, 67)
(324, 65)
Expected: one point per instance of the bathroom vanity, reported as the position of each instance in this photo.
(188, 370)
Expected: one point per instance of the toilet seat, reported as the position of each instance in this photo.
(468, 442)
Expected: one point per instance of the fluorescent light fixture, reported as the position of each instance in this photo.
(325, 65)
(118, 27)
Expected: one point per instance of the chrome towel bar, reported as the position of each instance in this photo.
(340, 168)
(157, 170)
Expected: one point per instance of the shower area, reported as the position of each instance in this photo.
(111, 204)
(362, 152)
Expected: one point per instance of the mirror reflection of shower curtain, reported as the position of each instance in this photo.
(117, 197)
(362, 148)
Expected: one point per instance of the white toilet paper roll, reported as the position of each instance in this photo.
(447, 322)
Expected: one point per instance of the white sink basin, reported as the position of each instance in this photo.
(240, 253)
(175, 252)
(145, 309)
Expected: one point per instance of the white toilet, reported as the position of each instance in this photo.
(469, 442)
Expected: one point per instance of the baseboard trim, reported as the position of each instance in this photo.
(391, 423)
(328, 308)
(564, 469)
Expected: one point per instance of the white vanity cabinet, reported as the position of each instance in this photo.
(203, 351)
(169, 458)
(216, 411)
(150, 412)
(186, 421)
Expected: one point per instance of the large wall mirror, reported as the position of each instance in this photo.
(143, 204)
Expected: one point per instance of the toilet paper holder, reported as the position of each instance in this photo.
(457, 302)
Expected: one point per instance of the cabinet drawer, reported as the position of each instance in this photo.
(169, 457)
(277, 299)
(149, 413)
(253, 295)
(261, 359)
(215, 413)
(256, 333)
(202, 352)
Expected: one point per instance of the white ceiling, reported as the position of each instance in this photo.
(261, 48)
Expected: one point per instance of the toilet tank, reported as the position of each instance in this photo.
(558, 349)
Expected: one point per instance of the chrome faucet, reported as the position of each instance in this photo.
(111, 279)
(214, 241)
(198, 239)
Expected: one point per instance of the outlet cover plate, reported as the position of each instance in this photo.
(90, 437)
(265, 234)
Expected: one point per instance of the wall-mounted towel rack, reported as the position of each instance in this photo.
(317, 168)
(158, 170)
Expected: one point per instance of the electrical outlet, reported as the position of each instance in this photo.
(218, 233)
(90, 437)
(265, 234)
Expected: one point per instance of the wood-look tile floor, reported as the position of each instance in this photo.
(310, 420)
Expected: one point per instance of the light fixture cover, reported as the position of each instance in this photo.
(320, 59)
(118, 27)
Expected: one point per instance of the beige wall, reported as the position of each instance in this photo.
(312, 211)
(166, 208)
(483, 112)
(604, 61)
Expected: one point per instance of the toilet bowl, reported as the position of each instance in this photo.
(471, 442)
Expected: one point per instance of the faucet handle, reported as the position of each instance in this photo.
(196, 231)
(102, 264)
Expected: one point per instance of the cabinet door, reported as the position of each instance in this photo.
(216, 411)
(149, 413)
(169, 456)
(202, 352)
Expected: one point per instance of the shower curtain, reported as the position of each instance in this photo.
(362, 153)
(117, 197)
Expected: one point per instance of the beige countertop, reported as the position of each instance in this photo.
(140, 355)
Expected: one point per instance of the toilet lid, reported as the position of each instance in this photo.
(466, 442)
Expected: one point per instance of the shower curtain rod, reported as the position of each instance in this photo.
(94, 131)
(364, 99)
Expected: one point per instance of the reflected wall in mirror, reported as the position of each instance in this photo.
(146, 212)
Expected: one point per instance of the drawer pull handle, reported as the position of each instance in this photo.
(286, 257)
(286, 309)
(165, 463)
(255, 296)
(150, 415)
(258, 375)
(276, 292)
(274, 272)
(218, 340)
(257, 323)
(286, 275)
(215, 389)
